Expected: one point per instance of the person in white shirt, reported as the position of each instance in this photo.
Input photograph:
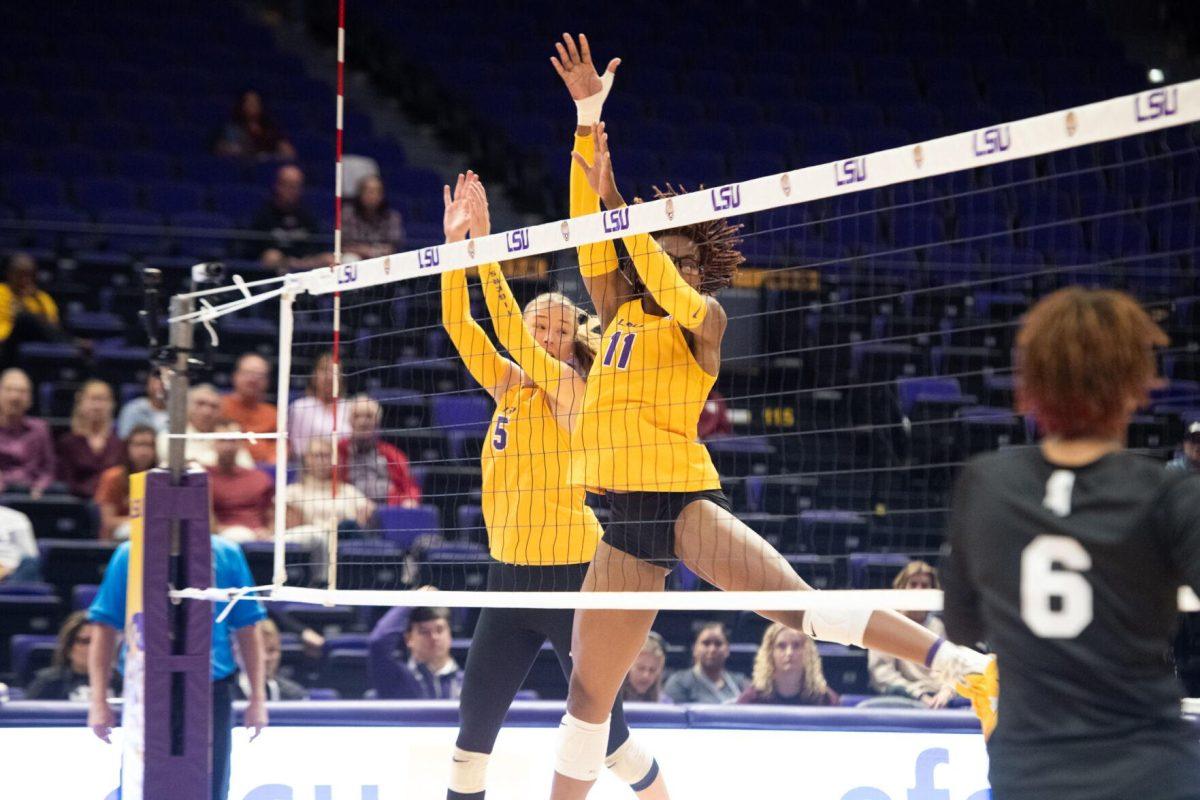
(313, 511)
(204, 411)
(18, 548)
(898, 678)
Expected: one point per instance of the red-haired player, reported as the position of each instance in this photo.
(1067, 557)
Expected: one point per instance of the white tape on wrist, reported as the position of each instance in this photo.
(587, 110)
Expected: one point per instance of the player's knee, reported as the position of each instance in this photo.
(581, 747)
(586, 696)
(633, 764)
(843, 626)
(468, 771)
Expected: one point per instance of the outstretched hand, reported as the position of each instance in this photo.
(477, 209)
(600, 173)
(574, 66)
(456, 220)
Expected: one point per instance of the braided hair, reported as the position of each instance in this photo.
(717, 240)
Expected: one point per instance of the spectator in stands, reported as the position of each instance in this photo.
(894, 676)
(252, 133)
(19, 560)
(90, 446)
(644, 682)
(243, 499)
(290, 223)
(112, 491)
(278, 686)
(27, 313)
(149, 410)
(311, 506)
(237, 628)
(67, 676)
(787, 671)
(707, 681)
(369, 227)
(424, 670)
(715, 421)
(377, 468)
(246, 404)
(204, 410)
(311, 416)
(1189, 459)
(26, 452)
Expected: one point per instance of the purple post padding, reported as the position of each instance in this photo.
(182, 773)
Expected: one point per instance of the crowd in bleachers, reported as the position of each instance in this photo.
(114, 161)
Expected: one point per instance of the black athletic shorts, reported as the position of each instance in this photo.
(642, 524)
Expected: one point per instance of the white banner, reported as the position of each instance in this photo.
(377, 763)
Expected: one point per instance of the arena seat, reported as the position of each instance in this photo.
(29, 653)
(38, 614)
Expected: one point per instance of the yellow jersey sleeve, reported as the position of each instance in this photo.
(6, 312)
(51, 308)
(509, 322)
(665, 284)
(485, 364)
(598, 258)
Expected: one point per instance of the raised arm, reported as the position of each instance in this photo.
(562, 384)
(597, 261)
(491, 370)
(700, 314)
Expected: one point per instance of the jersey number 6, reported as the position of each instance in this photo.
(1041, 583)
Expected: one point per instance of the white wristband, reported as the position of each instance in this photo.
(588, 109)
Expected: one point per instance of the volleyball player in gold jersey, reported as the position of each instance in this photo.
(540, 533)
(635, 445)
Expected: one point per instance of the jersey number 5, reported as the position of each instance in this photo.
(500, 437)
(611, 351)
(1041, 584)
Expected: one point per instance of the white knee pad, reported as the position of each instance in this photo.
(468, 771)
(844, 626)
(633, 764)
(581, 747)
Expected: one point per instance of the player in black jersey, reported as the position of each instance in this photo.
(1067, 559)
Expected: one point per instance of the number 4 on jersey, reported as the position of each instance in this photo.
(611, 350)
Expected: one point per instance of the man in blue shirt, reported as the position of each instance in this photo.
(230, 570)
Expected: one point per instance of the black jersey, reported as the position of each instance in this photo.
(1072, 577)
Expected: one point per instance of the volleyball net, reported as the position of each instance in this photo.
(867, 355)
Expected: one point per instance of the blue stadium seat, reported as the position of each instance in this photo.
(30, 652)
(199, 221)
(34, 190)
(875, 570)
(834, 532)
(21, 614)
(173, 197)
(105, 194)
(403, 526)
(134, 231)
(462, 411)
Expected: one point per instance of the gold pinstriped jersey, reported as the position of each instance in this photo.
(534, 515)
(645, 392)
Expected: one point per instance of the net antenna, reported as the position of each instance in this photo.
(908, 167)
(338, 178)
